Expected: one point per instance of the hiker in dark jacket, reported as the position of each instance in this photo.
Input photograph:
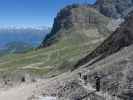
(98, 82)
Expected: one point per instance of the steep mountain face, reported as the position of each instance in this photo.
(121, 38)
(77, 21)
(114, 8)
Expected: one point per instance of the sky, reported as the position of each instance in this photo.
(32, 13)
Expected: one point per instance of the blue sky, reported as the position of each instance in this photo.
(32, 13)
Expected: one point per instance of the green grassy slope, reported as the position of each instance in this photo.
(48, 59)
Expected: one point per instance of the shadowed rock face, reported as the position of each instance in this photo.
(121, 38)
(114, 8)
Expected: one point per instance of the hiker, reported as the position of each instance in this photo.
(98, 79)
(85, 78)
(80, 75)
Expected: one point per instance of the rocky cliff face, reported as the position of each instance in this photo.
(114, 8)
(77, 20)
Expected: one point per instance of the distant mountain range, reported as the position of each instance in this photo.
(11, 37)
(28, 35)
(16, 47)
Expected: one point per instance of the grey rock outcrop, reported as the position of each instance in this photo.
(114, 8)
